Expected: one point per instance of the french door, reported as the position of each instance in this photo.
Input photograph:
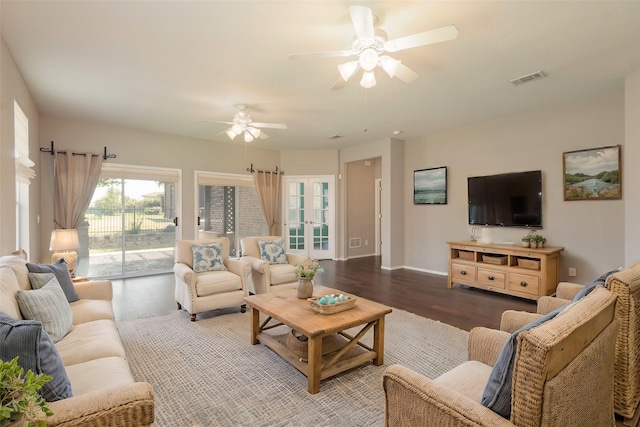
(309, 215)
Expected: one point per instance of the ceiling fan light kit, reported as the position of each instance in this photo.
(371, 42)
(243, 124)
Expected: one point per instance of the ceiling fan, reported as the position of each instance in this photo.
(243, 124)
(369, 45)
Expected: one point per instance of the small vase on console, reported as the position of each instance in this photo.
(305, 287)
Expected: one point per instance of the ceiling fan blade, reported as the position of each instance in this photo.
(406, 74)
(328, 54)
(339, 84)
(269, 125)
(362, 18)
(263, 135)
(214, 121)
(438, 35)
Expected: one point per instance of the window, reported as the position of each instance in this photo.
(24, 174)
(228, 206)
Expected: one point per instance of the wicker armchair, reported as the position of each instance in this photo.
(555, 369)
(626, 285)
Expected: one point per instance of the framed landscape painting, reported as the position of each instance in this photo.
(592, 174)
(430, 186)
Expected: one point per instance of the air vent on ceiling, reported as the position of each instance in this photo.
(528, 78)
(335, 136)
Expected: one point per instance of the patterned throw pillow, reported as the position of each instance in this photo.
(38, 280)
(272, 251)
(208, 258)
(48, 305)
(35, 350)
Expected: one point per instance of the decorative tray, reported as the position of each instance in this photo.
(336, 307)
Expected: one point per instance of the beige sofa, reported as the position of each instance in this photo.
(104, 391)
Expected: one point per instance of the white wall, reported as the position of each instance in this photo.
(140, 148)
(630, 170)
(13, 87)
(592, 232)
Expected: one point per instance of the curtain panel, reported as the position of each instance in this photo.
(75, 181)
(268, 188)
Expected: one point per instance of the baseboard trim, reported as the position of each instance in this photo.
(424, 270)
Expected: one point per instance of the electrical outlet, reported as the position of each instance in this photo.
(366, 242)
(572, 272)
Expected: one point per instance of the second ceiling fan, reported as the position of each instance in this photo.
(370, 45)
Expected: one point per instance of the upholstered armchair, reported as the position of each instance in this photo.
(626, 285)
(562, 375)
(208, 282)
(270, 275)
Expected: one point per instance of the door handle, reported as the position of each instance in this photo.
(175, 221)
(198, 220)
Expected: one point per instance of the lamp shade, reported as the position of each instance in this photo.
(64, 240)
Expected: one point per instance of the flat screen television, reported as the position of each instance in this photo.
(506, 200)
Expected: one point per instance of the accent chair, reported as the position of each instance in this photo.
(268, 275)
(206, 283)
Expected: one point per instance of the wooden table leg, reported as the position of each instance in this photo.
(378, 341)
(255, 325)
(314, 364)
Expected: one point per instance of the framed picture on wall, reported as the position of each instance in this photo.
(430, 186)
(592, 174)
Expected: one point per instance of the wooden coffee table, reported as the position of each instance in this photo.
(284, 308)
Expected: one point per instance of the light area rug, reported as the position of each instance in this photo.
(206, 373)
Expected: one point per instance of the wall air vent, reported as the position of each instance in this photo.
(354, 242)
(528, 78)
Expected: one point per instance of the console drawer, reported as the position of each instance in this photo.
(463, 272)
(492, 278)
(524, 283)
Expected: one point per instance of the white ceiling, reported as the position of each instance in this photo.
(162, 65)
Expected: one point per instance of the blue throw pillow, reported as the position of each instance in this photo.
(60, 269)
(208, 258)
(602, 280)
(497, 392)
(272, 251)
(35, 350)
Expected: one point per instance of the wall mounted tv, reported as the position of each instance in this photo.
(506, 200)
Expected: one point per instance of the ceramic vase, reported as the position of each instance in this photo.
(305, 287)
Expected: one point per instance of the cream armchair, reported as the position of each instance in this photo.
(267, 277)
(562, 375)
(208, 290)
(626, 285)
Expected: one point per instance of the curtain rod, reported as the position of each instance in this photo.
(252, 170)
(52, 151)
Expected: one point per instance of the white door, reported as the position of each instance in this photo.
(309, 215)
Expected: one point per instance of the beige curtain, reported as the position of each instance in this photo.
(268, 189)
(76, 179)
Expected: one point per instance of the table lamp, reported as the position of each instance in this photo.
(63, 243)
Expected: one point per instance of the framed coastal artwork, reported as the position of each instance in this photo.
(430, 186)
(592, 174)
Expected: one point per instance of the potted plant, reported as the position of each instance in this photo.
(540, 240)
(19, 399)
(526, 240)
(305, 274)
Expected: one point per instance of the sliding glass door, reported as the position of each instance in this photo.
(129, 228)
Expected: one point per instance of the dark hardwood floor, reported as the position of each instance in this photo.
(421, 293)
